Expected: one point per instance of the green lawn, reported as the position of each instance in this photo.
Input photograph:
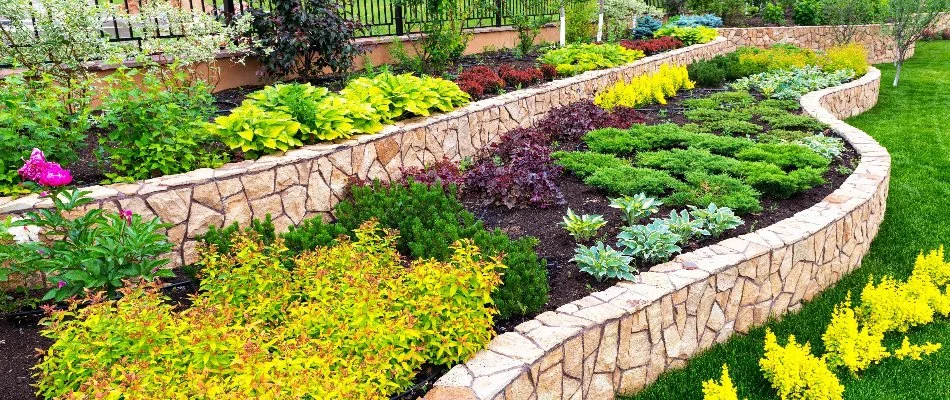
(913, 122)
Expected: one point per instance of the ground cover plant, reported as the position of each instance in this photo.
(574, 59)
(912, 224)
(777, 60)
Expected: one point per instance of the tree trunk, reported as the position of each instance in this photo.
(897, 73)
(563, 28)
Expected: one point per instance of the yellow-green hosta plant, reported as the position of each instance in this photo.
(256, 132)
(349, 321)
(322, 115)
(399, 96)
(688, 35)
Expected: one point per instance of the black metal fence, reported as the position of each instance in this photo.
(378, 17)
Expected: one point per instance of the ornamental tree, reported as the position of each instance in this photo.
(906, 22)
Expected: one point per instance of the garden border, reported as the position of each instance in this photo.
(309, 181)
(620, 339)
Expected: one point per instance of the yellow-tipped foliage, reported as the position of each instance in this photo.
(646, 89)
(849, 345)
(722, 390)
(797, 374)
(914, 351)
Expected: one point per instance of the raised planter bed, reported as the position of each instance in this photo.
(620, 339)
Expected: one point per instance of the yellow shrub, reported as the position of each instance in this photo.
(894, 306)
(915, 352)
(796, 374)
(848, 345)
(349, 321)
(723, 390)
(852, 56)
(646, 89)
(775, 58)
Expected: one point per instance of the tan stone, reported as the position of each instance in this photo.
(451, 393)
(237, 209)
(268, 205)
(171, 206)
(201, 219)
(549, 385)
(574, 357)
(607, 352)
(258, 185)
(294, 200)
(229, 187)
(287, 176)
(521, 389)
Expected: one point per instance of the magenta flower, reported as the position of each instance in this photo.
(62, 284)
(34, 167)
(43, 172)
(54, 175)
(126, 215)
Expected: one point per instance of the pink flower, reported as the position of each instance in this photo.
(54, 175)
(43, 172)
(61, 284)
(33, 168)
(44, 193)
(126, 215)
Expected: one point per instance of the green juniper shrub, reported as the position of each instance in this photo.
(629, 180)
(733, 100)
(683, 161)
(700, 102)
(781, 136)
(785, 104)
(786, 155)
(794, 122)
(222, 237)
(585, 163)
(767, 111)
(706, 74)
(715, 115)
(311, 234)
(724, 190)
(732, 127)
(430, 219)
(773, 182)
(722, 145)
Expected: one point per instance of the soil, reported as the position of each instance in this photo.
(20, 336)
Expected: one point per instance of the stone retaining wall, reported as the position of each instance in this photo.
(880, 48)
(619, 340)
(309, 181)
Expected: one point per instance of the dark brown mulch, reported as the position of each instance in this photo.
(18, 340)
(557, 246)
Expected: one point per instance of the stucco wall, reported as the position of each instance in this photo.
(619, 340)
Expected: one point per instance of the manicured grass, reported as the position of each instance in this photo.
(913, 122)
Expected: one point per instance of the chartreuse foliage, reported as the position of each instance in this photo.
(797, 374)
(429, 220)
(577, 58)
(645, 89)
(722, 390)
(285, 116)
(688, 35)
(348, 321)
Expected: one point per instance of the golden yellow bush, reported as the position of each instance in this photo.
(722, 390)
(915, 352)
(646, 89)
(797, 374)
(851, 56)
(849, 345)
(351, 321)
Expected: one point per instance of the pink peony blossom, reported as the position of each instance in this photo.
(126, 215)
(55, 175)
(33, 168)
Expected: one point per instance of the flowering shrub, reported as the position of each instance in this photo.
(257, 329)
(479, 80)
(519, 77)
(653, 46)
(794, 82)
(97, 250)
(689, 36)
(645, 89)
(722, 390)
(796, 374)
(577, 58)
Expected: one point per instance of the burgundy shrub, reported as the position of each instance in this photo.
(622, 118)
(653, 46)
(479, 80)
(519, 77)
(443, 172)
(548, 71)
(945, 34)
(570, 122)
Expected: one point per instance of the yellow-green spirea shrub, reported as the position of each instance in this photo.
(797, 374)
(915, 352)
(849, 345)
(646, 89)
(722, 390)
(349, 321)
